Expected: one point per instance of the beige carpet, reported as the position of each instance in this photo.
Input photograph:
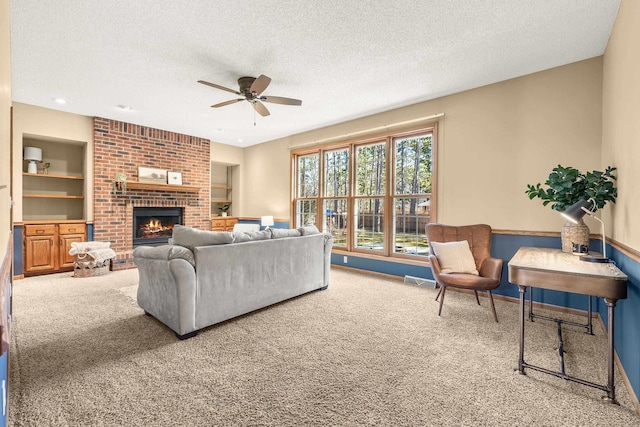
(367, 351)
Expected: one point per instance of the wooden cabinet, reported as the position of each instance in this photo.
(69, 233)
(40, 248)
(223, 223)
(47, 245)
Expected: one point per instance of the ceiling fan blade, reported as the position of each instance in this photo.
(260, 108)
(281, 100)
(260, 84)
(219, 87)
(222, 104)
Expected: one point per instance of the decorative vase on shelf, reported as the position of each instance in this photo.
(574, 234)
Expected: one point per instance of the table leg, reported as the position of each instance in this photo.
(523, 290)
(531, 305)
(611, 392)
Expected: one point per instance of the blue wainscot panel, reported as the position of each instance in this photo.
(277, 224)
(627, 318)
(17, 249)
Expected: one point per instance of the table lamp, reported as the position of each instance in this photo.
(33, 154)
(266, 221)
(574, 213)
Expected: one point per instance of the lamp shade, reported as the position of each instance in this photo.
(575, 212)
(32, 153)
(266, 221)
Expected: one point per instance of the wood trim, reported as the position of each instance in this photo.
(150, 186)
(628, 251)
(527, 233)
(50, 221)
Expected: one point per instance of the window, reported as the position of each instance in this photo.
(372, 196)
(412, 195)
(306, 209)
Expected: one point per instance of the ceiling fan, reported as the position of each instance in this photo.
(251, 88)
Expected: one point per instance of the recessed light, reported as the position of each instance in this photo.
(239, 139)
(60, 100)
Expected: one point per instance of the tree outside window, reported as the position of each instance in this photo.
(373, 196)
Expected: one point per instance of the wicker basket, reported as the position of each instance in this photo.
(574, 233)
(86, 266)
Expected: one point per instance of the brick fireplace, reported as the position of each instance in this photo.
(123, 147)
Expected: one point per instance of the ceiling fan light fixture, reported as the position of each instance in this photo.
(251, 88)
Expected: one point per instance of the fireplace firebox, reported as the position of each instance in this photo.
(154, 226)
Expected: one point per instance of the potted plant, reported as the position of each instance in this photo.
(566, 186)
(224, 208)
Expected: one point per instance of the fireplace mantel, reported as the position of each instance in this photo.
(151, 186)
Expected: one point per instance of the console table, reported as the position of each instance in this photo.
(553, 269)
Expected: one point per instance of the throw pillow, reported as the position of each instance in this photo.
(308, 230)
(192, 237)
(454, 257)
(279, 233)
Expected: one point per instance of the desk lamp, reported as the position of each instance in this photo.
(266, 221)
(574, 213)
(33, 154)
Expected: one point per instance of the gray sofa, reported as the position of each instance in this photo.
(207, 277)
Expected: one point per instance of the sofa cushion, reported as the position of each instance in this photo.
(250, 236)
(191, 237)
(279, 233)
(308, 230)
(454, 257)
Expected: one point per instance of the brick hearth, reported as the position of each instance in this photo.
(123, 147)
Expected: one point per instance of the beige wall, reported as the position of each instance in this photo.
(33, 122)
(492, 142)
(621, 122)
(5, 127)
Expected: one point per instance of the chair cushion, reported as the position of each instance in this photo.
(454, 257)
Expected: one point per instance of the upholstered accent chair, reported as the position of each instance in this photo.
(483, 273)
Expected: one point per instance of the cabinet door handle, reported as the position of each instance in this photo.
(39, 231)
(72, 229)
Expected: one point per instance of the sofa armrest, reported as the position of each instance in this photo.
(328, 246)
(167, 285)
(165, 252)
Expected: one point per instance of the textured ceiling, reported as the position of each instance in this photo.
(344, 59)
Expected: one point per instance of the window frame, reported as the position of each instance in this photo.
(388, 197)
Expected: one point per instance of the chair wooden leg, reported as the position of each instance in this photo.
(493, 307)
(439, 292)
(442, 291)
(477, 299)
